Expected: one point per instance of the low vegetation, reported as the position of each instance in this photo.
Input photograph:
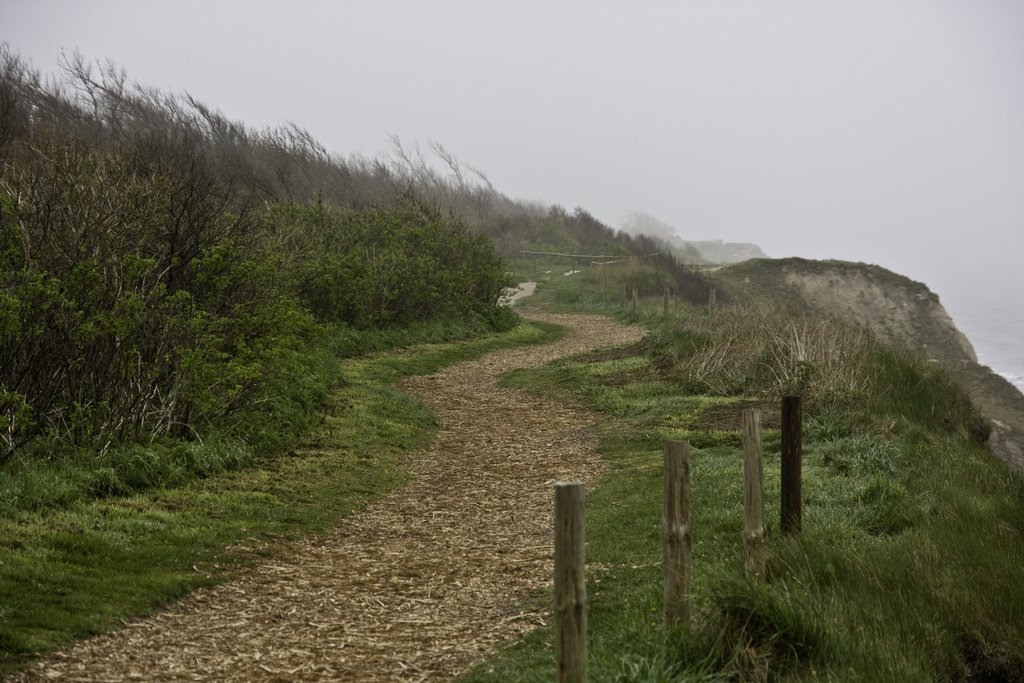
(908, 564)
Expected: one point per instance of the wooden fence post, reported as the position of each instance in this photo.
(676, 534)
(712, 300)
(753, 494)
(664, 303)
(604, 284)
(570, 584)
(635, 302)
(792, 446)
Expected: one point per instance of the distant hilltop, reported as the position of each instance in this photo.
(717, 251)
(690, 251)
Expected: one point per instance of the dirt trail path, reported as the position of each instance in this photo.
(421, 584)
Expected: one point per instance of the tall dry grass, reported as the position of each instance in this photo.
(774, 351)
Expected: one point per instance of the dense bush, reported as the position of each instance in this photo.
(392, 265)
(153, 284)
(131, 309)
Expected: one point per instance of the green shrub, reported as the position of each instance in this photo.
(393, 265)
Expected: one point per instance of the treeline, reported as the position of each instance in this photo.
(164, 272)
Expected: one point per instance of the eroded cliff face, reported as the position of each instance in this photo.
(905, 313)
(900, 311)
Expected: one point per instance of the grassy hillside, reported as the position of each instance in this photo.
(908, 567)
(896, 309)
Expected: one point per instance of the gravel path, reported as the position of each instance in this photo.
(420, 585)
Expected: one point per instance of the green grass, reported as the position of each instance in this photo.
(77, 565)
(908, 567)
(590, 290)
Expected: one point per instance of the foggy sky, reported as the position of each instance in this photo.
(879, 131)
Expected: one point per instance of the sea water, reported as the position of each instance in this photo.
(994, 322)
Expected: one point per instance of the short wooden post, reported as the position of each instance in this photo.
(792, 455)
(753, 495)
(712, 301)
(664, 303)
(570, 584)
(635, 300)
(676, 534)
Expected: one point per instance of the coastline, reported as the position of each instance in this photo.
(993, 320)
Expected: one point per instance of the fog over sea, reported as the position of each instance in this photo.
(990, 311)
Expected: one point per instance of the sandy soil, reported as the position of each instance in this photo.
(419, 586)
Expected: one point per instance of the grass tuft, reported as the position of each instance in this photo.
(862, 453)
(761, 632)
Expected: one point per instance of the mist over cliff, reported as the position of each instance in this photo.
(693, 251)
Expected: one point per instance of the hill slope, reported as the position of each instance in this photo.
(898, 310)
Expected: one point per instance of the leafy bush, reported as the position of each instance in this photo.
(392, 265)
(140, 298)
(128, 312)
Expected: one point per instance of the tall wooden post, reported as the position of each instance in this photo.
(792, 455)
(676, 534)
(635, 302)
(712, 300)
(570, 584)
(753, 495)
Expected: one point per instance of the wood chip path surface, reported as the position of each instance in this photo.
(422, 583)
